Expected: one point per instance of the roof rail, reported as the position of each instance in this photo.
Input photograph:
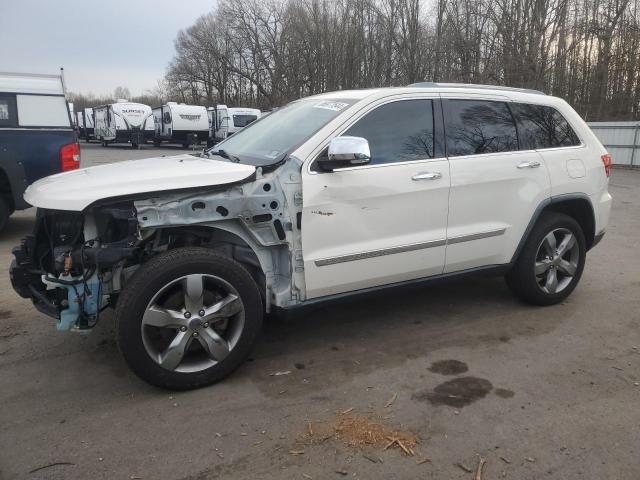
(471, 85)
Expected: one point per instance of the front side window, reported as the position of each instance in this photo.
(543, 127)
(243, 120)
(475, 127)
(397, 132)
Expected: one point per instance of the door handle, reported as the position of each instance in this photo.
(427, 176)
(531, 164)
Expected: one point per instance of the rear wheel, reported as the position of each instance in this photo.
(551, 262)
(188, 318)
(5, 212)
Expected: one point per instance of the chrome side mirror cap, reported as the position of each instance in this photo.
(346, 152)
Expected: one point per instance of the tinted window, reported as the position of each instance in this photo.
(543, 127)
(476, 126)
(398, 131)
(8, 111)
(243, 120)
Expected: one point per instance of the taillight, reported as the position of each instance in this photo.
(606, 160)
(70, 157)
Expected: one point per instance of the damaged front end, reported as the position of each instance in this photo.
(75, 264)
(67, 266)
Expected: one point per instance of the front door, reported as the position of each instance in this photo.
(380, 223)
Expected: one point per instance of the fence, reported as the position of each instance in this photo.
(621, 139)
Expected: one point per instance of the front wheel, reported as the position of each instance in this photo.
(551, 262)
(188, 318)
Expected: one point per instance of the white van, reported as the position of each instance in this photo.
(225, 121)
(84, 122)
(180, 123)
(123, 122)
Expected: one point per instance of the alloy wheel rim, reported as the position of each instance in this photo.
(192, 323)
(557, 261)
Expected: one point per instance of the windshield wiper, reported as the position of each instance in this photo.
(228, 156)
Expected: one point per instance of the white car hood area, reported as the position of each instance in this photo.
(78, 189)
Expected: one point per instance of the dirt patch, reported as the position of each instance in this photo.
(360, 432)
(458, 392)
(4, 314)
(504, 393)
(449, 367)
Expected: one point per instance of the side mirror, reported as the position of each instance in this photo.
(346, 152)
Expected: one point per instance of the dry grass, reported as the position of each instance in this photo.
(360, 432)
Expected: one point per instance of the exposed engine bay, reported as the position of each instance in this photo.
(75, 264)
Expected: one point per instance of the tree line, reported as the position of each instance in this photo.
(264, 53)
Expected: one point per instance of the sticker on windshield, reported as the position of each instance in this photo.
(273, 154)
(335, 106)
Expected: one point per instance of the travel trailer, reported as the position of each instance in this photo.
(84, 122)
(180, 123)
(36, 135)
(123, 122)
(225, 121)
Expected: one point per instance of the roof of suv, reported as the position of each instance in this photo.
(510, 92)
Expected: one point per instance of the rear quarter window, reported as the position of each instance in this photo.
(42, 111)
(543, 127)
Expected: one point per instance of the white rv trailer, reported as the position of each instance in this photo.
(225, 121)
(84, 122)
(180, 123)
(123, 122)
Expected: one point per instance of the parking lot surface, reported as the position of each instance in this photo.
(537, 392)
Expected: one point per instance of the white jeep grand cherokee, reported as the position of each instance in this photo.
(332, 195)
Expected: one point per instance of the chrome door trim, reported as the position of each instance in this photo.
(476, 236)
(379, 253)
(408, 248)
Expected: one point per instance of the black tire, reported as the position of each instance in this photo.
(5, 212)
(522, 279)
(150, 279)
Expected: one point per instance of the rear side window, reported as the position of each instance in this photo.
(397, 132)
(43, 111)
(543, 127)
(8, 117)
(474, 127)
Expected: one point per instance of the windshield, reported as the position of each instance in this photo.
(243, 120)
(267, 140)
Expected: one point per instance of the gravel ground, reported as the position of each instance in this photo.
(539, 392)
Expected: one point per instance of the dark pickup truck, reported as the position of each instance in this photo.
(36, 136)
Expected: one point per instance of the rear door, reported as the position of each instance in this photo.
(495, 185)
(384, 222)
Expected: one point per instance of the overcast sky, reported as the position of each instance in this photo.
(100, 44)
